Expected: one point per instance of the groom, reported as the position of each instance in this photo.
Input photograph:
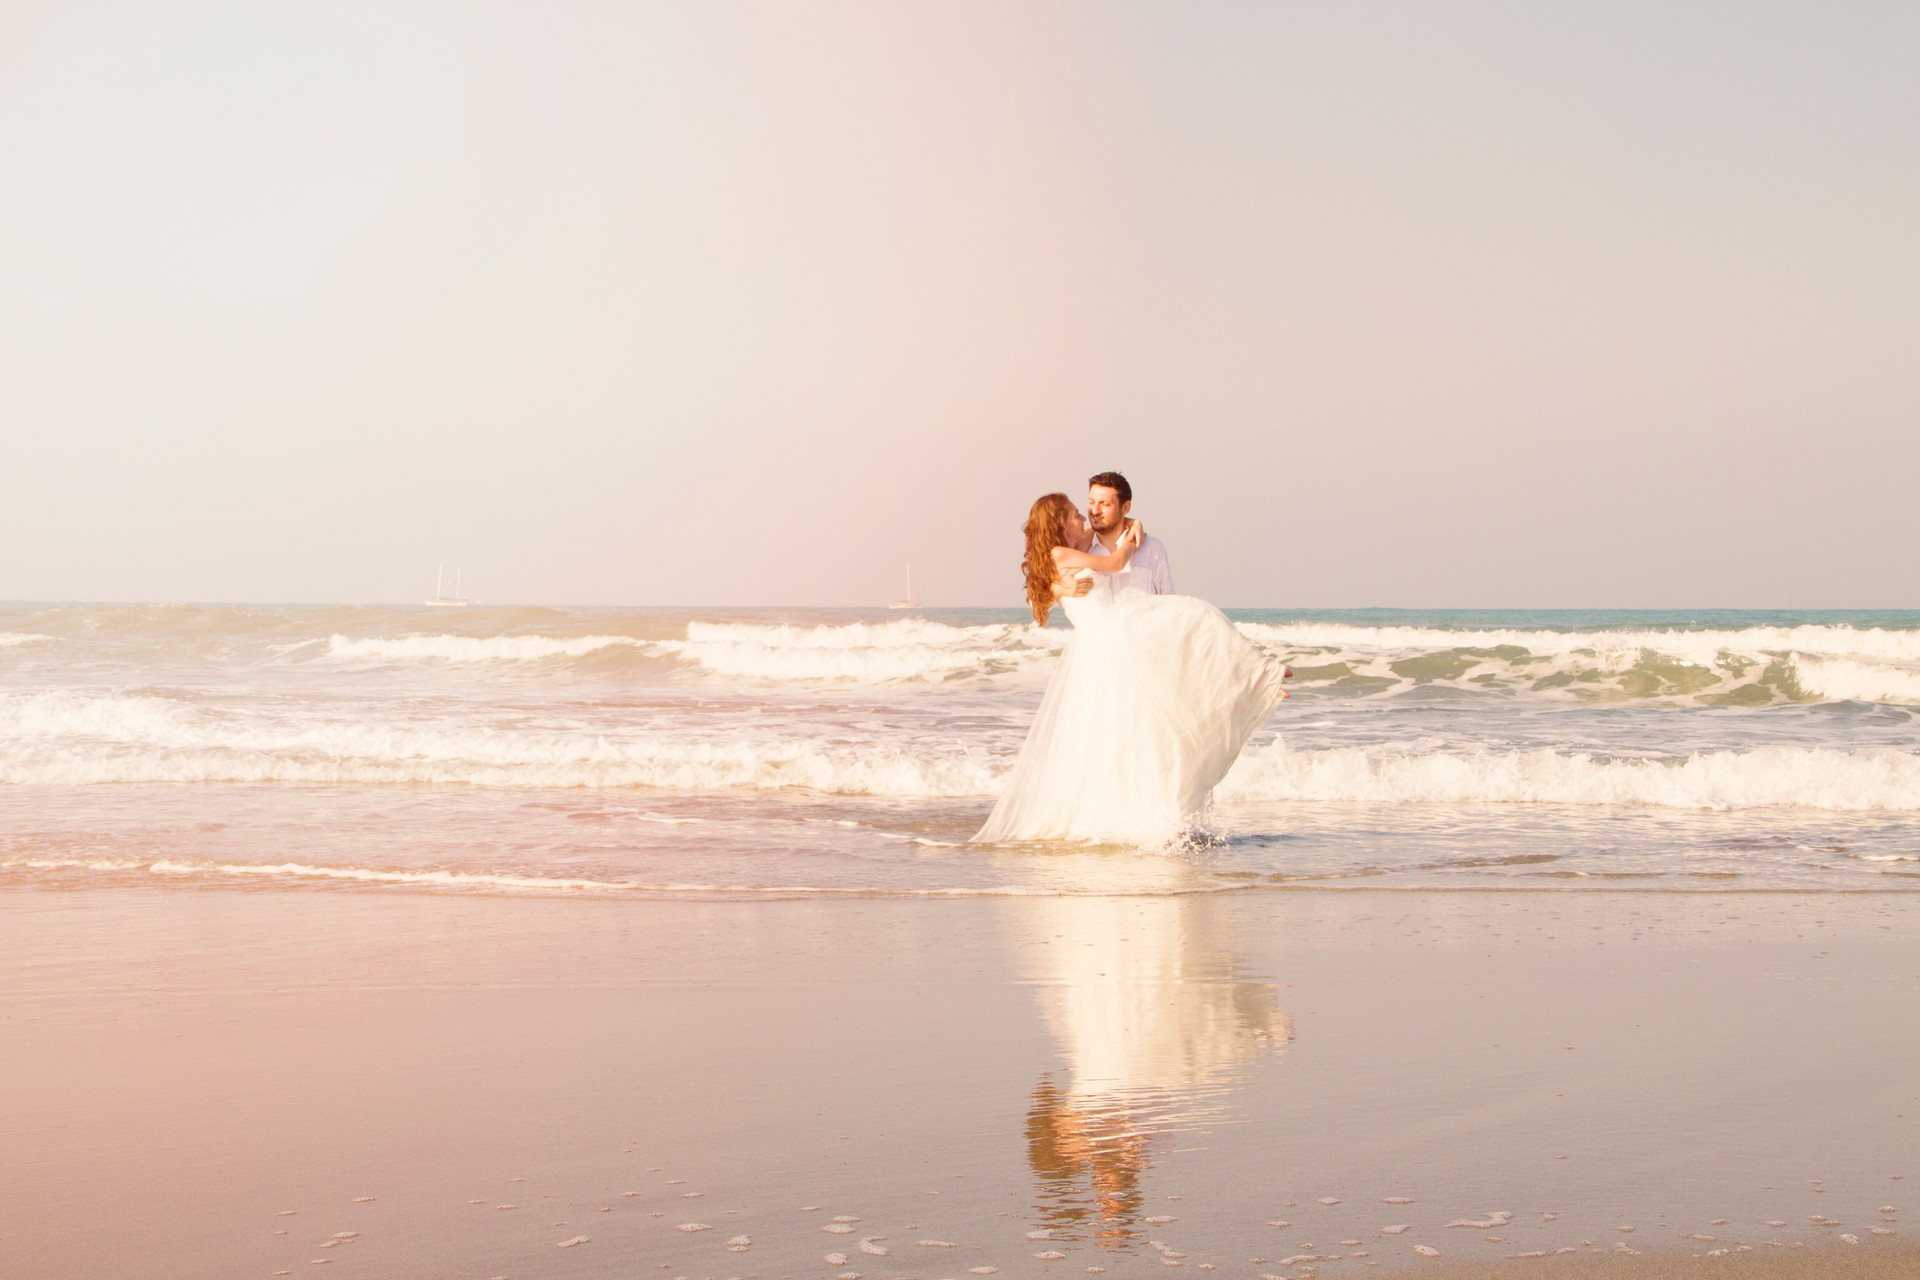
(1109, 498)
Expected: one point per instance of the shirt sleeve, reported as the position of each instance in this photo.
(1162, 574)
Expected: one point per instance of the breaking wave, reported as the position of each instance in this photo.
(1752, 666)
(887, 652)
(448, 648)
(907, 650)
(1748, 666)
(67, 737)
(1699, 647)
(1846, 680)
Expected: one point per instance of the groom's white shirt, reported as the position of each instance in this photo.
(1148, 570)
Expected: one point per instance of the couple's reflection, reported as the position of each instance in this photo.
(1156, 1022)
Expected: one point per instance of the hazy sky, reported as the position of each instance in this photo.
(1404, 304)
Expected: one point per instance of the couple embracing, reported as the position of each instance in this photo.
(1154, 696)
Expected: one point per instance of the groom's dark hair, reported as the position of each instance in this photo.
(1115, 481)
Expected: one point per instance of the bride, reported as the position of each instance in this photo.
(1149, 707)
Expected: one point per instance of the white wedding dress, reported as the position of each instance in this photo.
(1152, 701)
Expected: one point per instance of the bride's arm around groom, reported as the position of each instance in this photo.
(1109, 503)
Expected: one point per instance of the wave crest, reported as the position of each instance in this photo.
(1753, 667)
(70, 738)
(905, 650)
(448, 648)
(1700, 648)
(1845, 680)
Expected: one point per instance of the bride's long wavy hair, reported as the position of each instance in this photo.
(1046, 529)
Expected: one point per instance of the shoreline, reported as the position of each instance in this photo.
(189, 1065)
(33, 875)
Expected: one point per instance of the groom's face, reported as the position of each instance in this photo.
(1105, 511)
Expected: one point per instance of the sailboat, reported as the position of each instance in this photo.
(912, 601)
(440, 598)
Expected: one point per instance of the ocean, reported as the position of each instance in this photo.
(727, 753)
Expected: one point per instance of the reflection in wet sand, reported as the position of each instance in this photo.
(1157, 1022)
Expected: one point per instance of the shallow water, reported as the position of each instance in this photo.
(673, 752)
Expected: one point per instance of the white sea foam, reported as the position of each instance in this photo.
(1799, 777)
(671, 767)
(1700, 648)
(1833, 662)
(296, 871)
(8, 639)
(760, 662)
(1756, 665)
(904, 633)
(904, 650)
(447, 648)
(1658, 663)
(62, 714)
(1753, 665)
(69, 737)
(66, 737)
(444, 879)
(1846, 679)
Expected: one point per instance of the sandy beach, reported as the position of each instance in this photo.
(543, 734)
(258, 1083)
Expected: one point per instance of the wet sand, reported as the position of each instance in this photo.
(257, 1083)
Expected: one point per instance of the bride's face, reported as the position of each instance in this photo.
(1079, 535)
